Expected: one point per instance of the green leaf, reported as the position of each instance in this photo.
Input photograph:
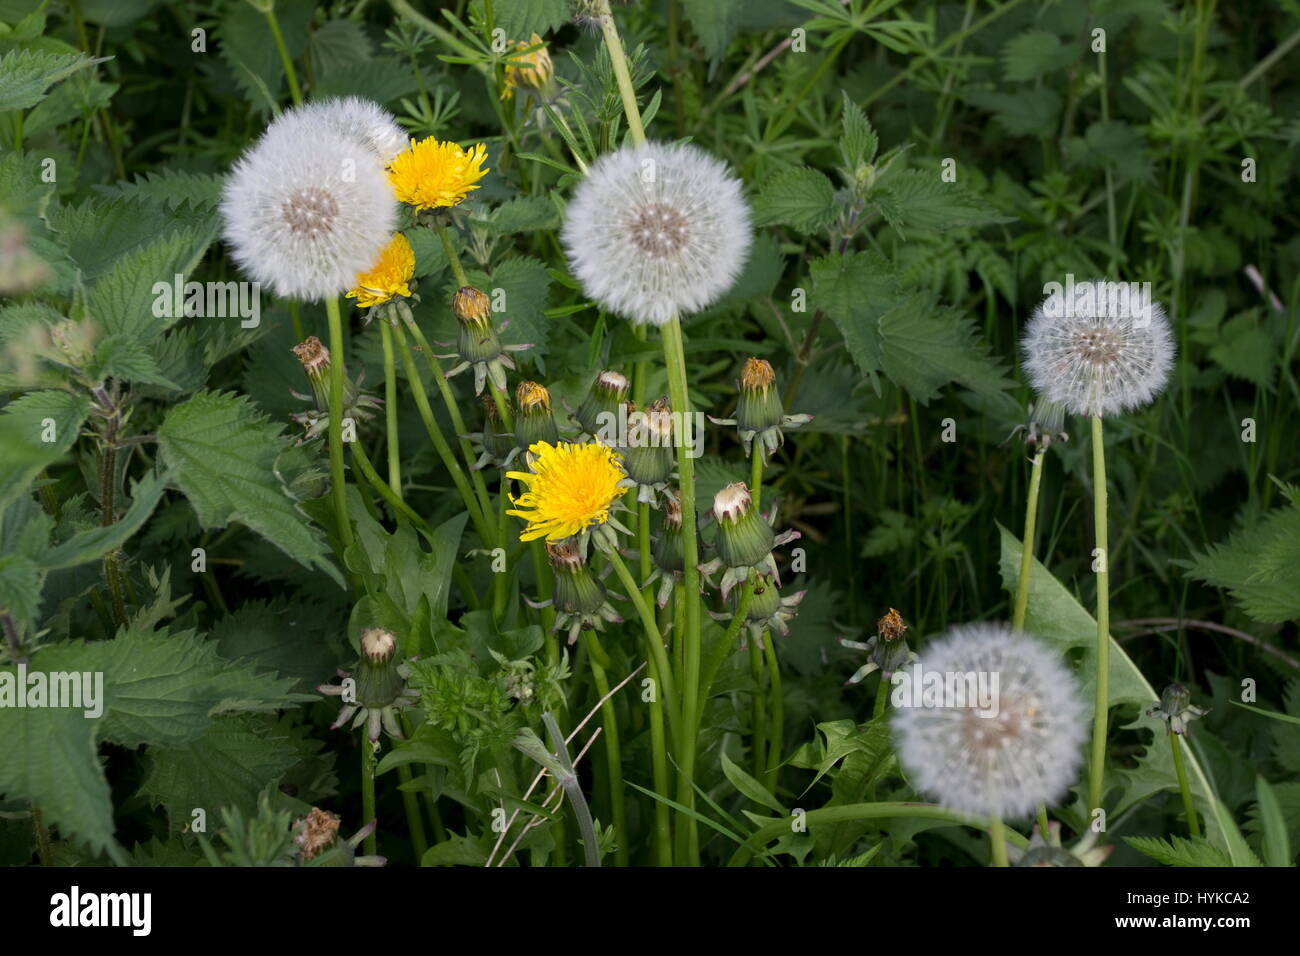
(1259, 565)
(858, 142)
(1036, 53)
(172, 188)
(165, 689)
(1180, 851)
(245, 43)
(1058, 619)
(123, 300)
(223, 454)
(26, 75)
(914, 199)
(1276, 842)
(924, 346)
(25, 424)
(94, 544)
(802, 198)
(383, 79)
(714, 23)
(750, 787)
(520, 19)
(235, 760)
(524, 282)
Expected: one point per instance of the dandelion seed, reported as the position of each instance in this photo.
(1028, 752)
(361, 120)
(306, 210)
(430, 174)
(1098, 352)
(657, 231)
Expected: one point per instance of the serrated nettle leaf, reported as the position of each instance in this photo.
(858, 140)
(522, 18)
(1179, 851)
(124, 301)
(95, 543)
(222, 452)
(36, 430)
(1036, 53)
(714, 22)
(26, 75)
(802, 198)
(915, 199)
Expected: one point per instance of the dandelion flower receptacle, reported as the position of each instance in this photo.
(377, 689)
(887, 652)
(431, 174)
(657, 231)
(745, 538)
(998, 757)
(307, 209)
(478, 344)
(571, 492)
(760, 415)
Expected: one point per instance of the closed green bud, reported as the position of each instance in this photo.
(599, 410)
(744, 538)
(533, 420)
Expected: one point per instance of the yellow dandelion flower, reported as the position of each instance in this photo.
(390, 276)
(570, 488)
(430, 174)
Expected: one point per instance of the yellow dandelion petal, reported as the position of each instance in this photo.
(389, 277)
(570, 488)
(430, 174)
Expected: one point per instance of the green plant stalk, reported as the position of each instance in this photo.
(665, 692)
(42, 837)
(679, 396)
(1193, 824)
(659, 764)
(414, 821)
(776, 739)
(598, 660)
(998, 842)
(368, 791)
(622, 76)
(1027, 544)
(296, 320)
(577, 800)
(882, 696)
(439, 442)
(457, 420)
(758, 722)
(363, 464)
(295, 92)
(501, 579)
(1096, 768)
(728, 642)
(864, 811)
(338, 486)
(390, 409)
(755, 474)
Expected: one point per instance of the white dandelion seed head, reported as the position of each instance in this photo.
(657, 231)
(306, 209)
(357, 118)
(1002, 762)
(1100, 349)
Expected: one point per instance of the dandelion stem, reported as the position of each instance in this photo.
(618, 58)
(655, 641)
(659, 762)
(501, 579)
(1027, 545)
(390, 409)
(758, 724)
(337, 480)
(1096, 768)
(679, 396)
(998, 842)
(368, 790)
(290, 74)
(362, 461)
(439, 442)
(453, 260)
(1193, 824)
(414, 821)
(755, 473)
(597, 658)
(777, 737)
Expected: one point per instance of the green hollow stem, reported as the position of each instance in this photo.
(776, 738)
(1193, 824)
(414, 821)
(439, 442)
(363, 464)
(577, 800)
(1027, 544)
(622, 75)
(666, 692)
(390, 409)
(286, 61)
(866, 811)
(501, 579)
(728, 642)
(998, 842)
(296, 320)
(597, 660)
(758, 700)
(457, 420)
(338, 488)
(453, 259)
(1096, 768)
(659, 763)
(679, 396)
(368, 791)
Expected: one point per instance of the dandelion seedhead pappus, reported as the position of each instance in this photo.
(657, 231)
(307, 209)
(1026, 752)
(1096, 351)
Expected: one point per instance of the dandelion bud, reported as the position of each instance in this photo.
(315, 833)
(759, 411)
(580, 599)
(472, 307)
(601, 406)
(495, 442)
(648, 457)
(533, 70)
(533, 419)
(357, 405)
(315, 359)
(478, 344)
(1176, 708)
(380, 688)
(744, 538)
(669, 554)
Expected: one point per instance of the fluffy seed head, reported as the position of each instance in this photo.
(1100, 349)
(1004, 761)
(306, 209)
(352, 117)
(656, 231)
